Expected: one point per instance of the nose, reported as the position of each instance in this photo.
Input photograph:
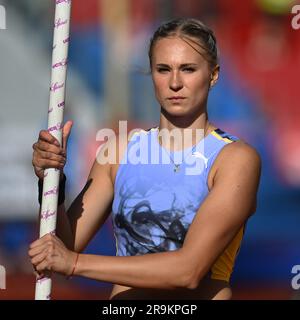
(175, 81)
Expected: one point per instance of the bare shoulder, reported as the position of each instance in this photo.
(110, 154)
(239, 154)
(241, 151)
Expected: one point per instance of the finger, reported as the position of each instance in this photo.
(47, 155)
(48, 137)
(44, 239)
(43, 266)
(40, 257)
(36, 243)
(38, 275)
(48, 147)
(38, 171)
(46, 163)
(66, 133)
(35, 273)
(37, 250)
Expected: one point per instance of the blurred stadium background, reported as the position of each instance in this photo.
(257, 98)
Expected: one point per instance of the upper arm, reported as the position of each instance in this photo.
(92, 206)
(228, 205)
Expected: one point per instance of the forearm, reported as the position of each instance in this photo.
(63, 227)
(166, 270)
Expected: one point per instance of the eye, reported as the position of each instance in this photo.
(188, 69)
(162, 70)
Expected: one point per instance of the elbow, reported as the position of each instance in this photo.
(189, 275)
(192, 283)
(190, 279)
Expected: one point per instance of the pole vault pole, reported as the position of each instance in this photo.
(55, 124)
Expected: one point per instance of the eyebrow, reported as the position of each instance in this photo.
(184, 65)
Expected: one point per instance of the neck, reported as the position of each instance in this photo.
(179, 123)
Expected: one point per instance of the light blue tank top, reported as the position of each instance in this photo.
(154, 204)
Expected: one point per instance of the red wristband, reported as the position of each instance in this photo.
(74, 267)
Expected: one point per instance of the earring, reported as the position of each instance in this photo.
(212, 83)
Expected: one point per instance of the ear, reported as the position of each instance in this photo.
(214, 75)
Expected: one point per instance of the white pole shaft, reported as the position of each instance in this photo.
(55, 123)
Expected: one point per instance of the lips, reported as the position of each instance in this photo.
(176, 98)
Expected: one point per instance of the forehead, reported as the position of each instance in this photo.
(177, 50)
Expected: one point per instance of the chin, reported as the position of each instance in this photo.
(176, 111)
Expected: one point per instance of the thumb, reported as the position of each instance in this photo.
(66, 133)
